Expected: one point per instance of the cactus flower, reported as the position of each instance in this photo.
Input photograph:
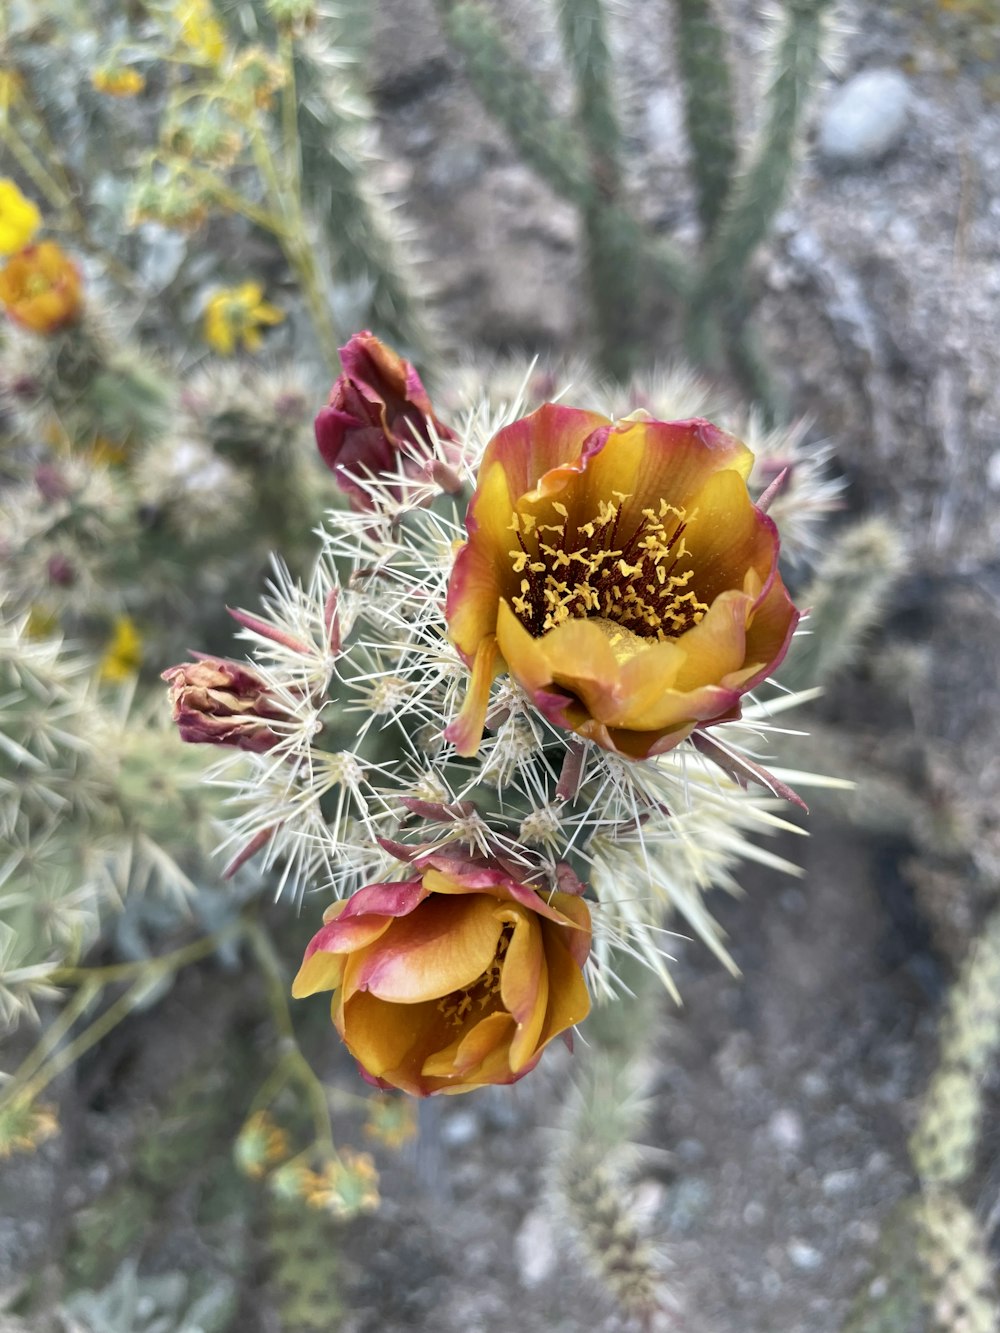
(455, 978)
(40, 288)
(621, 574)
(376, 423)
(219, 702)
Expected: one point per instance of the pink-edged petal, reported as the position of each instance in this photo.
(772, 625)
(440, 877)
(442, 948)
(466, 731)
(393, 898)
(547, 439)
(577, 938)
(649, 460)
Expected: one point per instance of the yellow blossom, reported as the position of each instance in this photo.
(235, 315)
(118, 81)
(201, 31)
(19, 218)
(123, 655)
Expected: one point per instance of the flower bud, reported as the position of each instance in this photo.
(220, 702)
(377, 427)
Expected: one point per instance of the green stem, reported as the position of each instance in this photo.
(28, 1090)
(58, 1029)
(300, 1069)
(294, 242)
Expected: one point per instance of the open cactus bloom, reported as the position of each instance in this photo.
(456, 978)
(621, 574)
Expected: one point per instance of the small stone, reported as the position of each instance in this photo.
(754, 1213)
(836, 1183)
(865, 119)
(804, 1256)
(460, 1129)
(535, 1249)
(785, 1129)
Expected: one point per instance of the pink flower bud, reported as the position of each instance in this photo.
(378, 421)
(223, 703)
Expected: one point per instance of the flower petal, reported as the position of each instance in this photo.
(464, 1055)
(524, 987)
(444, 947)
(466, 730)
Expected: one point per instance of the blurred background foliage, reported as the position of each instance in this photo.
(213, 172)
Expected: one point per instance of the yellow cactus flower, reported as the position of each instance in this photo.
(40, 288)
(118, 81)
(201, 31)
(452, 980)
(19, 218)
(622, 575)
(235, 315)
(123, 655)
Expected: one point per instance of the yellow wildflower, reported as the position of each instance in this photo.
(118, 81)
(235, 315)
(19, 218)
(123, 655)
(201, 31)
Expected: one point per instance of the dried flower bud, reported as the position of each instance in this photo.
(220, 702)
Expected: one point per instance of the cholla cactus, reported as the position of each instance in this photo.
(94, 806)
(395, 755)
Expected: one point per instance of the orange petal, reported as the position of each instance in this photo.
(524, 987)
(442, 947)
(569, 1000)
(653, 460)
(466, 731)
(392, 1041)
(553, 437)
(466, 1054)
(726, 536)
(321, 971)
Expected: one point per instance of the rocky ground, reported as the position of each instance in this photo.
(780, 1102)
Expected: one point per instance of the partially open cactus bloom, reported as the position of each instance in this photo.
(41, 289)
(621, 574)
(378, 432)
(453, 979)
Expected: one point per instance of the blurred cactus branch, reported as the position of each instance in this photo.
(717, 310)
(337, 175)
(612, 249)
(582, 161)
(708, 106)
